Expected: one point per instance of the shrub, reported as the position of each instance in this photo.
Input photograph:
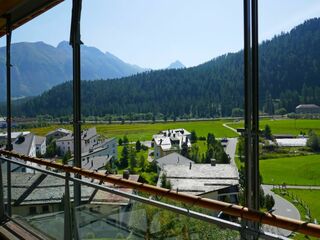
(269, 202)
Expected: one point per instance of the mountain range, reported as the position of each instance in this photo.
(37, 67)
(289, 75)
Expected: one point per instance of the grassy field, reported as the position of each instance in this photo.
(237, 158)
(286, 126)
(144, 131)
(302, 170)
(202, 147)
(309, 197)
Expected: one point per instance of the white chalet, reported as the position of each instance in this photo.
(23, 143)
(41, 146)
(89, 140)
(57, 134)
(170, 141)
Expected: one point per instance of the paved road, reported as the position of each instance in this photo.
(281, 207)
(231, 149)
(147, 143)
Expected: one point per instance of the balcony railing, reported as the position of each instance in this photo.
(144, 212)
(138, 213)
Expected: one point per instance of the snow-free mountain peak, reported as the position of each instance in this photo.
(176, 65)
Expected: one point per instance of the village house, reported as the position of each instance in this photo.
(89, 140)
(41, 146)
(14, 136)
(47, 193)
(308, 109)
(106, 152)
(58, 133)
(214, 181)
(170, 141)
(23, 143)
(108, 148)
(172, 159)
(44, 205)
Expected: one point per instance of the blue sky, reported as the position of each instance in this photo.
(154, 33)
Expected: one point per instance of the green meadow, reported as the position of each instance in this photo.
(302, 170)
(310, 198)
(144, 131)
(285, 126)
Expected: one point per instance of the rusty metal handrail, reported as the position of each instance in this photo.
(231, 209)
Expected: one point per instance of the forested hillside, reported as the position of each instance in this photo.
(289, 75)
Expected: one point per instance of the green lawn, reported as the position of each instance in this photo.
(202, 147)
(138, 154)
(150, 177)
(302, 170)
(144, 131)
(237, 158)
(286, 126)
(309, 197)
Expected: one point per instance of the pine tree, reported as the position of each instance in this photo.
(138, 146)
(132, 158)
(193, 137)
(267, 132)
(124, 157)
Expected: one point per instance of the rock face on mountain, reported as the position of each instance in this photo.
(37, 67)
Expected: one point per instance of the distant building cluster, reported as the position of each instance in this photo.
(212, 180)
(169, 141)
(37, 193)
(95, 151)
(215, 181)
(91, 144)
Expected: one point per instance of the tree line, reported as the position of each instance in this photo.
(289, 75)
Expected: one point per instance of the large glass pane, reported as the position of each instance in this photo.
(38, 202)
(109, 216)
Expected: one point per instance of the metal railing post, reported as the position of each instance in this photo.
(255, 107)
(247, 99)
(2, 211)
(9, 115)
(75, 43)
(67, 210)
(251, 102)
